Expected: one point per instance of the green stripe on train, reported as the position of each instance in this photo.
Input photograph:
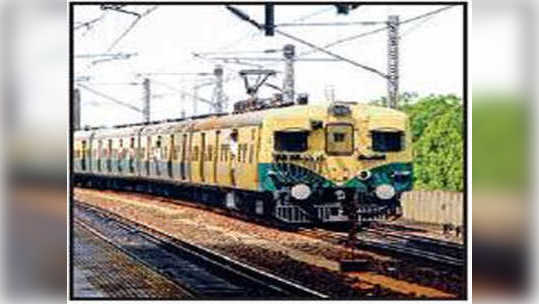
(288, 173)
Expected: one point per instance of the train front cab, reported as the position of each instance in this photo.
(318, 161)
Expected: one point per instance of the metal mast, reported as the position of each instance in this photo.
(393, 60)
(195, 100)
(219, 95)
(289, 52)
(147, 97)
(76, 109)
(182, 102)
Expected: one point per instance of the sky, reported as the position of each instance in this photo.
(431, 55)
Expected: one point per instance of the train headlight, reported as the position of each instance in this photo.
(300, 192)
(385, 192)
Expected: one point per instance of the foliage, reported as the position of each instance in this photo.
(438, 151)
(437, 126)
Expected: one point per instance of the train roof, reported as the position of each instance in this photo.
(275, 116)
(83, 134)
(117, 132)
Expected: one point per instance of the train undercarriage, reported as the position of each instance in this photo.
(250, 203)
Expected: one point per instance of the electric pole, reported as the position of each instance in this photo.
(195, 100)
(219, 96)
(76, 109)
(182, 102)
(393, 60)
(289, 52)
(147, 97)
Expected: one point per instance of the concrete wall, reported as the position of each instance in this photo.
(434, 207)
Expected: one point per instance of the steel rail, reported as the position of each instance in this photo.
(271, 286)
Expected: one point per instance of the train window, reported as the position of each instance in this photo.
(290, 141)
(184, 147)
(245, 146)
(240, 147)
(132, 144)
(158, 143)
(195, 153)
(170, 149)
(339, 139)
(251, 153)
(109, 156)
(384, 141)
(224, 153)
(177, 152)
(210, 152)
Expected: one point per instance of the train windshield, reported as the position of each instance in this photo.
(295, 141)
(339, 139)
(384, 141)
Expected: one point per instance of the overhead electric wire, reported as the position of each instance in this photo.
(353, 37)
(323, 50)
(240, 14)
(88, 24)
(268, 59)
(251, 33)
(351, 23)
(113, 99)
(416, 26)
(170, 87)
(131, 26)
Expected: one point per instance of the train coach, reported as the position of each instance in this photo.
(301, 164)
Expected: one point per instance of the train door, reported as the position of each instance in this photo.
(157, 157)
(83, 156)
(235, 156)
(241, 160)
(183, 169)
(99, 155)
(147, 151)
(109, 156)
(171, 155)
(222, 164)
(118, 156)
(252, 158)
(202, 156)
(90, 152)
(209, 157)
(139, 155)
(189, 157)
(131, 153)
(216, 159)
(95, 152)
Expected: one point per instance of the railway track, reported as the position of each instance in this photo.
(202, 273)
(413, 246)
(379, 238)
(453, 250)
(432, 250)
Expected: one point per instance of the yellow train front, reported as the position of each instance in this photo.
(299, 164)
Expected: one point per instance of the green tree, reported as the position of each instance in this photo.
(437, 126)
(438, 152)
